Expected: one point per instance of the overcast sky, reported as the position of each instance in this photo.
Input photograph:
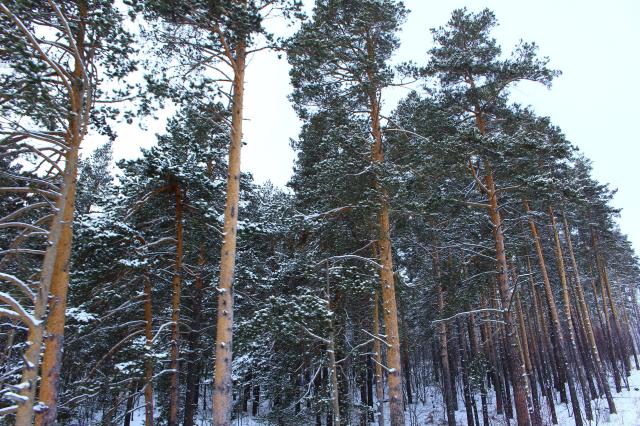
(594, 44)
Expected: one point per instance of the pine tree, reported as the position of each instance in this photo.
(473, 78)
(54, 50)
(341, 57)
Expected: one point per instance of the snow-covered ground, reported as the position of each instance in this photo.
(627, 404)
(432, 412)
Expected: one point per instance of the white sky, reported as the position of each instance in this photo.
(594, 101)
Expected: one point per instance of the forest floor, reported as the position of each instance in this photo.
(627, 404)
(432, 411)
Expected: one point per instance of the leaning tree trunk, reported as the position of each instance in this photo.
(606, 286)
(223, 386)
(54, 335)
(520, 383)
(555, 319)
(519, 376)
(566, 301)
(586, 317)
(54, 277)
(543, 358)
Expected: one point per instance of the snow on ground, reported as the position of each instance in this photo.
(432, 411)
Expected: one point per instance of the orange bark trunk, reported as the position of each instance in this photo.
(175, 314)
(223, 386)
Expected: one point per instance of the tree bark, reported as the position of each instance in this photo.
(520, 384)
(333, 368)
(175, 313)
(443, 349)
(223, 386)
(54, 277)
(377, 349)
(149, 361)
(566, 301)
(474, 353)
(194, 367)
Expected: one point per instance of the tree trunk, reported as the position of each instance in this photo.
(129, 406)
(175, 314)
(256, 400)
(443, 349)
(464, 366)
(333, 369)
(149, 361)
(520, 384)
(555, 319)
(223, 386)
(542, 354)
(490, 351)
(194, 366)
(566, 300)
(474, 353)
(377, 349)
(389, 308)
(406, 365)
(608, 300)
(526, 355)
(54, 276)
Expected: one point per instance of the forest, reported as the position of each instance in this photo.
(451, 262)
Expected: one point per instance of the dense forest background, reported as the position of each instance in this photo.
(453, 261)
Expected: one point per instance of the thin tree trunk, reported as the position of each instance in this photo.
(464, 366)
(490, 351)
(256, 400)
(474, 353)
(566, 300)
(129, 406)
(606, 290)
(149, 361)
(195, 366)
(443, 350)
(333, 369)
(223, 386)
(377, 349)
(175, 313)
(370, 375)
(545, 343)
(606, 330)
(406, 365)
(526, 355)
(582, 304)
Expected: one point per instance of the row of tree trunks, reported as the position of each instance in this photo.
(603, 383)
(558, 335)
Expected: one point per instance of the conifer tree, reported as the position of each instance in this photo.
(54, 50)
(474, 82)
(341, 56)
